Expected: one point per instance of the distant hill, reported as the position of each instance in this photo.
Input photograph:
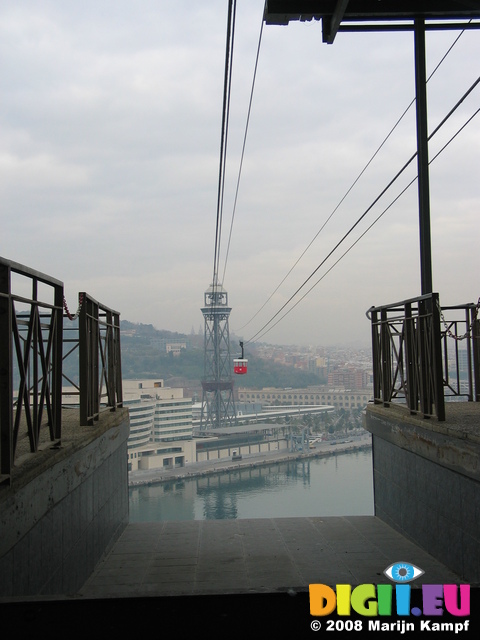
(138, 330)
(144, 356)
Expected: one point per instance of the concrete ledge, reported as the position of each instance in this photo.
(427, 481)
(455, 443)
(65, 508)
(74, 438)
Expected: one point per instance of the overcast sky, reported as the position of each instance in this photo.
(109, 157)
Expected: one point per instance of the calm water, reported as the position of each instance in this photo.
(337, 485)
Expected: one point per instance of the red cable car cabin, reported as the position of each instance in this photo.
(240, 365)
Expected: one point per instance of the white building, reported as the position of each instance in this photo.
(161, 431)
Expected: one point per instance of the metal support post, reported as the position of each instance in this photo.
(422, 158)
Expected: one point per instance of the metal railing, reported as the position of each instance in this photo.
(30, 346)
(34, 343)
(425, 355)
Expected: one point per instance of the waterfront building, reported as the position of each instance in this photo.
(142, 413)
(161, 430)
(340, 398)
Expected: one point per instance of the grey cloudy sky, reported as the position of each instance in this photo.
(110, 140)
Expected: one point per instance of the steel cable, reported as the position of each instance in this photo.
(348, 192)
(261, 332)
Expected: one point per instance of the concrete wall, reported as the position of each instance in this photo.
(64, 510)
(427, 482)
(204, 455)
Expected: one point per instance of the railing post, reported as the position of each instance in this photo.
(112, 348)
(423, 349)
(437, 358)
(118, 360)
(376, 355)
(6, 383)
(34, 321)
(88, 361)
(431, 370)
(411, 370)
(386, 357)
(94, 390)
(110, 361)
(470, 355)
(83, 363)
(57, 363)
(476, 356)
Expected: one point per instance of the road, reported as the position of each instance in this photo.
(153, 476)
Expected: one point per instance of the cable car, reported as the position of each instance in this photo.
(240, 364)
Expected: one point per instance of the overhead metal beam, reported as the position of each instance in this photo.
(284, 11)
(331, 25)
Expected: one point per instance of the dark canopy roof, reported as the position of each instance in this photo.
(368, 14)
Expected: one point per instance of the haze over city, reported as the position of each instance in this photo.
(111, 121)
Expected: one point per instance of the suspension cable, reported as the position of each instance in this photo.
(367, 230)
(243, 149)
(367, 210)
(224, 132)
(352, 186)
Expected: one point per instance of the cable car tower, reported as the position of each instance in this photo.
(218, 405)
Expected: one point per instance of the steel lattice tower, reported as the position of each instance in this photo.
(218, 405)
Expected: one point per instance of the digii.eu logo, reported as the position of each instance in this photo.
(382, 600)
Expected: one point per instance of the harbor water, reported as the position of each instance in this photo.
(340, 484)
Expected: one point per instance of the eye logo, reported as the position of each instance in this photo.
(402, 572)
